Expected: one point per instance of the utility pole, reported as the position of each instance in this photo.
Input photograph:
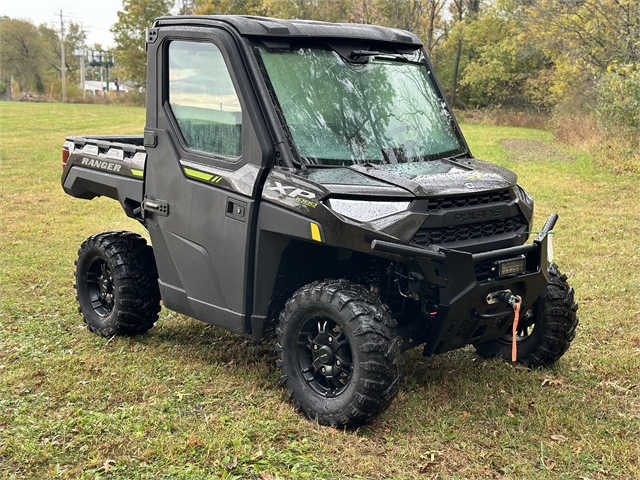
(82, 74)
(81, 52)
(64, 68)
(82, 82)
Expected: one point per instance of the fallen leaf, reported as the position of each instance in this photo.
(193, 441)
(257, 455)
(559, 438)
(266, 476)
(508, 413)
(425, 468)
(3, 426)
(108, 465)
(552, 382)
(232, 465)
(550, 464)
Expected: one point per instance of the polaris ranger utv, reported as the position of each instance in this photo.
(311, 177)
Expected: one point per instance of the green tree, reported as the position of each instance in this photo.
(24, 54)
(583, 39)
(503, 67)
(461, 13)
(129, 34)
(74, 40)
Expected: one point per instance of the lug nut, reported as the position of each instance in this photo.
(323, 370)
(338, 362)
(315, 347)
(330, 339)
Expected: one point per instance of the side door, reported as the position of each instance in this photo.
(206, 151)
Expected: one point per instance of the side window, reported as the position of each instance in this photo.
(203, 99)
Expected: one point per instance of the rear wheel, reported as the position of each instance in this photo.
(338, 353)
(116, 283)
(546, 331)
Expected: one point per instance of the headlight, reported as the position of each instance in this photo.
(365, 211)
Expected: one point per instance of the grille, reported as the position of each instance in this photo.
(483, 269)
(435, 204)
(460, 233)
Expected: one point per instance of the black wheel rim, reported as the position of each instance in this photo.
(526, 326)
(324, 356)
(100, 287)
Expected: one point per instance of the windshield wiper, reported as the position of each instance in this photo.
(356, 54)
(398, 58)
(363, 53)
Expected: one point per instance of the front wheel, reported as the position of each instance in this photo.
(338, 353)
(545, 332)
(116, 283)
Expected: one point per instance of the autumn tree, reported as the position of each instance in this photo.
(129, 34)
(227, 7)
(74, 40)
(422, 17)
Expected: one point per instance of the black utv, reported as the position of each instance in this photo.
(310, 178)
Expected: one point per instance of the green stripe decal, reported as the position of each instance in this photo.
(137, 173)
(197, 174)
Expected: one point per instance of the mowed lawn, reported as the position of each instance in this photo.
(191, 401)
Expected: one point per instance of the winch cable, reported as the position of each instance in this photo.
(515, 302)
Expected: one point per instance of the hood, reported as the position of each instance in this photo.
(422, 179)
(442, 177)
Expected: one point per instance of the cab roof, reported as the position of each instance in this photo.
(251, 26)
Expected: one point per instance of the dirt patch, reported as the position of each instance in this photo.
(533, 151)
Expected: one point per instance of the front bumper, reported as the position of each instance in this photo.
(464, 316)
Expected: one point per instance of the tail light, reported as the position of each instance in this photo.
(65, 156)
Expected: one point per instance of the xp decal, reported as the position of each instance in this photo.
(294, 193)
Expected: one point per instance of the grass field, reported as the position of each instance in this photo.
(191, 401)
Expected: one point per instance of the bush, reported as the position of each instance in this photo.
(618, 104)
(132, 99)
(618, 112)
(579, 130)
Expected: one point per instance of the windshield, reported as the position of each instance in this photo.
(384, 111)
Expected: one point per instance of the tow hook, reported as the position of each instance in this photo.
(502, 296)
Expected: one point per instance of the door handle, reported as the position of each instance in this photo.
(236, 209)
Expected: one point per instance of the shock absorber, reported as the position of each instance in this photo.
(378, 271)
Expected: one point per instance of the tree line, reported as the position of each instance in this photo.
(32, 55)
(562, 58)
(555, 57)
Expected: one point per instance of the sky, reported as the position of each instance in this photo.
(96, 16)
